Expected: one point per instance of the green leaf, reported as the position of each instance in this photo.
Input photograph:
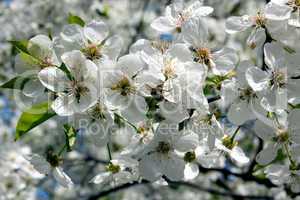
(33, 117)
(292, 106)
(289, 50)
(73, 19)
(20, 45)
(64, 68)
(17, 82)
(70, 133)
(29, 59)
(103, 12)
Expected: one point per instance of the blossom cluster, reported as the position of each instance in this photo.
(182, 102)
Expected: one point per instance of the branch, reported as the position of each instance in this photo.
(253, 162)
(213, 99)
(176, 184)
(216, 192)
(243, 176)
(116, 189)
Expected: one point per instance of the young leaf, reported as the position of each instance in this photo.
(33, 117)
(20, 45)
(29, 59)
(70, 133)
(73, 19)
(17, 82)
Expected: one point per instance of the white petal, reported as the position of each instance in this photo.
(136, 110)
(294, 22)
(173, 168)
(172, 112)
(257, 79)
(267, 155)
(73, 36)
(229, 92)
(211, 139)
(191, 171)
(293, 119)
(101, 178)
(274, 55)
(240, 112)
(40, 46)
(163, 25)
(113, 47)
(195, 32)
(142, 45)
(187, 142)
(75, 62)
(148, 168)
(39, 163)
(181, 51)
(275, 11)
(33, 88)
(260, 113)
(54, 79)
(62, 178)
(257, 38)
(263, 131)
(237, 24)
(172, 91)
(241, 72)
(203, 11)
(225, 60)
(278, 174)
(64, 106)
(96, 31)
(130, 64)
(239, 156)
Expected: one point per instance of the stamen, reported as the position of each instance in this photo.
(123, 86)
(163, 147)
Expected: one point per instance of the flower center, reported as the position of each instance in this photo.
(161, 45)
(163, 147)
(145, 133)
(181, 18)
(113, 168)
(228, 142)
(260, 20)
(206, 120)
(295, 4)
(189, 156)
(203, 55)
(246, 93)
(92, 52)
(47, 62)
(97, 111)
(169, 69)
(123, 86)
(9, 185)
(282, 135)
(79, 90)
(143, 130)
(278, 79)
(53, 159)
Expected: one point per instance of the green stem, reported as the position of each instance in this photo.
(235, 133)
(129, 123)
(292, 162)
(109, 151)
(62, 150)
